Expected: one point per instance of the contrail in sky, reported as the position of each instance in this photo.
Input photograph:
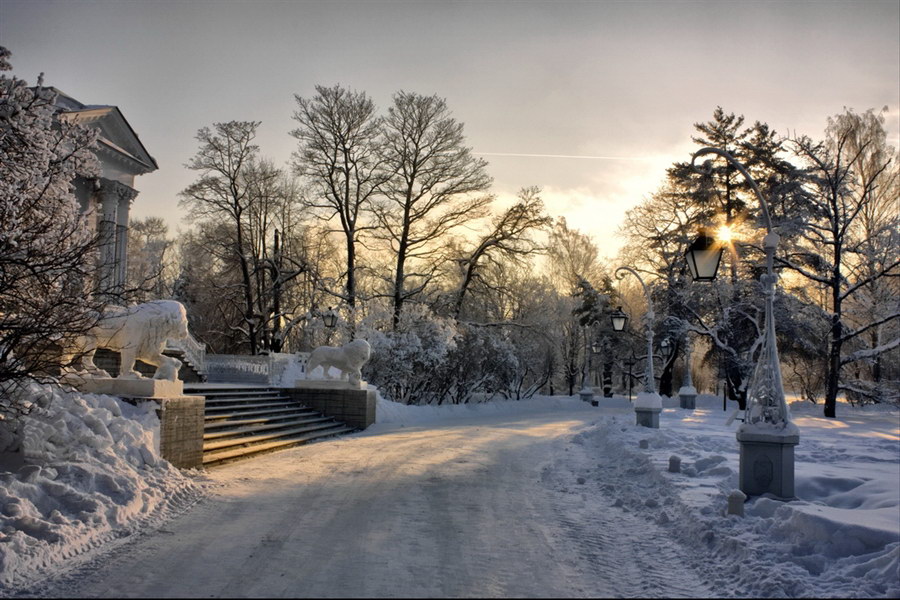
(566, 156)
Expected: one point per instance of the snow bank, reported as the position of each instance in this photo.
(88, 469)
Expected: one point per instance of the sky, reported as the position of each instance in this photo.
(589, 100)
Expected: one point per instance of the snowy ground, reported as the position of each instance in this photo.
(547, 497)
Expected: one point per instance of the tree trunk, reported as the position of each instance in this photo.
(351, 270)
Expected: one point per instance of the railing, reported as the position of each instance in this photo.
(270, 369)
(194, 351)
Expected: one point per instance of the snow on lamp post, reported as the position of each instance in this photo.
(767, 436)
(648, 404)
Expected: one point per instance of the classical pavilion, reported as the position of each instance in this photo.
(122, 157)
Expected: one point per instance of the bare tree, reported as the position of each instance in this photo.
(509, 237)
(223, 192)
(434, 186)
(338, 138)
(849, 172)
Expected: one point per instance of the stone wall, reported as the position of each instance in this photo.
(356, 408)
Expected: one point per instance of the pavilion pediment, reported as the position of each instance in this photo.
(117, 139)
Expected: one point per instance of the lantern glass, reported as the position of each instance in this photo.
(618, 319)
(330, 318)
(703, 257)
(666, 347)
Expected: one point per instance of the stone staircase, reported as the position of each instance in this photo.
(243, 420)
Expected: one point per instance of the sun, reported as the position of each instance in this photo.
(724, 234)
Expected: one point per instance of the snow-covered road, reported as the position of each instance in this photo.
(467, 508)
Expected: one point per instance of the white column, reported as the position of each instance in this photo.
(122, 240)
(115, 203)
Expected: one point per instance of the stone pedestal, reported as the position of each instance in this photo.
(647, 417)
(767, 462)
(687, 397)
(329, 384)
(114, 386)
(647, 407)
(348, 404)
(180, 428)
(587, 394)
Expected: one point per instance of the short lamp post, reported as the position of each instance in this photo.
(767, 436)
(687, 395)
(587, 392)
(628, 364)
(648, 404)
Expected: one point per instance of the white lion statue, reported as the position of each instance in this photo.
(349, 359)
(136, 332)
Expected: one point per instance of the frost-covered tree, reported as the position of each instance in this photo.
(47, 249)
(727, 311)
(433, 185)
(151, 264)
(850, 245)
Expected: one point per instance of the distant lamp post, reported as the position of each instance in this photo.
(330, 318)
(703, 257)
(618, 319)
(648, 404)
(767, 435)
(587, 393)
(665, 347)
(628, 364)
(687, 395)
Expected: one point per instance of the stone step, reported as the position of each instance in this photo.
(218, 420)
(254, 439)
(249, 406)
(232, 393)
(212, 458)
(239, 401)
(239, 432)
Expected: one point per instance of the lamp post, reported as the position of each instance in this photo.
(687, 395)
(629, 363)
(648, 404)
(767, 435)
(586, 393)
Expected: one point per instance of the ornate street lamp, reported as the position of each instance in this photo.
(618, 319)
(666, 348)
(648, 404)
(330, 318)
(767, 436)
(703, 257)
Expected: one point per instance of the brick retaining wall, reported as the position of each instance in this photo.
(356, 408)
